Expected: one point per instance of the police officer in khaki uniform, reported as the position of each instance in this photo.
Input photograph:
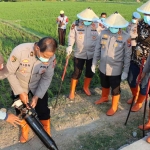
(83, 33)
(113, 49)
(11, 118)
(31, 67)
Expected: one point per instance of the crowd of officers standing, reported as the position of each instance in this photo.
(120, 55)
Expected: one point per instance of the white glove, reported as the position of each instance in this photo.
(124, 76)
(69, 50)
(17, 103)
(93, 68)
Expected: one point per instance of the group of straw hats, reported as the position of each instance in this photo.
(115, 20)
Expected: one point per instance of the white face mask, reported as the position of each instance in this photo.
(43, 59)
(133, 21)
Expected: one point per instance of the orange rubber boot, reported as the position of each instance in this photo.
(135, 92)
(147, 125)
(104, 97)
(72, 88)
(46, 126)
(148, 139)
(24, 131)
(114, 106)
(139, 103)
(87, 82)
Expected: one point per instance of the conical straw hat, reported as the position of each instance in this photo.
(145, 8)
(88, 15)
(116, 20)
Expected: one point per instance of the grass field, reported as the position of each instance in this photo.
(28, 21)
(39, 18)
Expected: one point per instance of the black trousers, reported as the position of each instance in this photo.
(61, 34)
(41, 108)
(78, 67)
(111, 81)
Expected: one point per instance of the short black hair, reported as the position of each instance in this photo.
(47, 43)
(103, 13)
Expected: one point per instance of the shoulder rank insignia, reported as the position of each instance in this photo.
(31, 54)
(13, 58)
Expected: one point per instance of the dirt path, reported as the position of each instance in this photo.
(70, 120)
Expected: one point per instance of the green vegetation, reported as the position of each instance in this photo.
(41, 16)
(111, 139)
(29, 21)
(19, 20)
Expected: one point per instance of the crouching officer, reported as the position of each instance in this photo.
(113, 49)
(83, 33)
(11, 118)
(31, 67)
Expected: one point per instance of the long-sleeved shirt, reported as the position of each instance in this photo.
(27, 73)
(114, 53)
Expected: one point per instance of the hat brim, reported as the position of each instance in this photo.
(142, 11)
(114, 26)
(94, 19)
(4, 73)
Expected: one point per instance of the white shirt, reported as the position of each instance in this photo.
(64, 20)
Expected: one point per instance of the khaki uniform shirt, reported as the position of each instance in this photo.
(132, 30)
(84, 38)
(114, 53)
(27, 72)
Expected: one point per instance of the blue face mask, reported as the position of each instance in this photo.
(102, 19)
(147, 19)
(113, 30)
(87, 23)
(43, 59)
(133, 21)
